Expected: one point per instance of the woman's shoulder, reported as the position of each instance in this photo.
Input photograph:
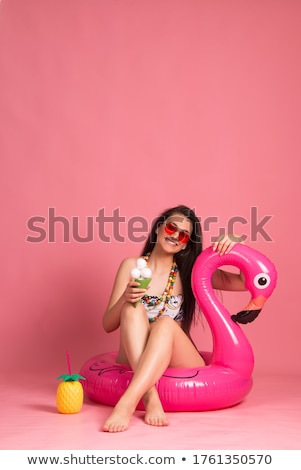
(129, 262)
(125, 267)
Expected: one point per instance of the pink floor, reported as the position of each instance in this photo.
(269, 418)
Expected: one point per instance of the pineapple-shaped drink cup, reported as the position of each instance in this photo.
(70, 393)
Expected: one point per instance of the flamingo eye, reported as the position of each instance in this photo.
(262, 280)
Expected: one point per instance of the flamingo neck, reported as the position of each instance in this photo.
(230, 345)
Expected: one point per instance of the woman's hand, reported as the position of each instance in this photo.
(132, 293)
(225, 243)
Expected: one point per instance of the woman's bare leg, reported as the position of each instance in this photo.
(167, 346)
(134, 333)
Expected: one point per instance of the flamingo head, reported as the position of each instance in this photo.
(260, 280)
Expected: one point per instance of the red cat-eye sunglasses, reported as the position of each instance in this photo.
(171, 228)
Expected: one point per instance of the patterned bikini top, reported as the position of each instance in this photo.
(173, 307)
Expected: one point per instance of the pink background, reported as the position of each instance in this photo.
(142, 105)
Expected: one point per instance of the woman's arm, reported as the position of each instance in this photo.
(124, 290)
(223, 280)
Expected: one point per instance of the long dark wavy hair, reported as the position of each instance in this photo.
(184, 259)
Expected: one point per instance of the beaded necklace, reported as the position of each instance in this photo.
(153, 300)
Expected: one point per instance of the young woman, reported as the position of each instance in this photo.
(154, 334)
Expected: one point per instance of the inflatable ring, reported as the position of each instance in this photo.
(226, 378)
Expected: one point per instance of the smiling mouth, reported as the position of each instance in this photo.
(171, 241)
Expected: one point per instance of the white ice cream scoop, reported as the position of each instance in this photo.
(135, 273)
(141, 263)
(145, 273)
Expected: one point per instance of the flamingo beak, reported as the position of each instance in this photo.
(251, 311)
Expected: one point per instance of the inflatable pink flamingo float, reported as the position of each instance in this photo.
(227, 377)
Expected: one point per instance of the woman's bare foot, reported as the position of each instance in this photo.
(154, 413)
(119, 419)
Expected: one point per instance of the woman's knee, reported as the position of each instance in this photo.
(130, 313)
(166, 323)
